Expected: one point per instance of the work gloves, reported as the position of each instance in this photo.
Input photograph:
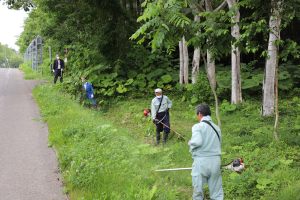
(54, 70)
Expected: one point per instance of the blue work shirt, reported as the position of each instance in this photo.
(88, 87)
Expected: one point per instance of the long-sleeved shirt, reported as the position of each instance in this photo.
(165, 104)
(58, 64)
(89, 90)
(204, 141)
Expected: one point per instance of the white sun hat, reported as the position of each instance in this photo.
(158, 90)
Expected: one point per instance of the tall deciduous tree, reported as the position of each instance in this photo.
(236, 88)
(210, 62)
(164, 23)
(184, 62)
(272, 59)
(211, 66)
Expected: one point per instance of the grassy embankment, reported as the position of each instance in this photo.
(110, 155)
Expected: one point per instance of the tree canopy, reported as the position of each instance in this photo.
(94, 35)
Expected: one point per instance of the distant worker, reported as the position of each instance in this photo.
(160, 106)
(89, 90)
(205, 147)
(58, 68)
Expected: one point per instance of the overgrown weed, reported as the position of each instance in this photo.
(109, 155)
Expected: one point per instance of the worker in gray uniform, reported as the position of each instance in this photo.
(160, 106)
(205, 147)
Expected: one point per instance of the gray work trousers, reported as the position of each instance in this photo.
(207, 170)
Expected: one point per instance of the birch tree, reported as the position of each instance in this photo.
(195, 64)
(196, 7)
(236, 88)
(184, 62)
(196, 58)
(210, 62)
(211, 66)
(272, 59)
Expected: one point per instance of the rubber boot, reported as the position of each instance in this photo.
(165, 137)
(157, 137)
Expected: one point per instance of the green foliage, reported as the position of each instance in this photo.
(100, 49)
(252, 79)
(9, 57)
(290, 48)
(198, 92)
(99, 159)
(29, 73)
(17, 4)
(105, 155)
(163, 23)
(291, 75)
(226, 107)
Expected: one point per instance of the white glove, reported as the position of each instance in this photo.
(62, 69)
(53, 70)
(92, 95)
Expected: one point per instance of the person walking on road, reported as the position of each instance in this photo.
(205, 147)
(160, 106)
(58, 68)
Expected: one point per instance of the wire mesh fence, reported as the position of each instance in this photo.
(34, 53)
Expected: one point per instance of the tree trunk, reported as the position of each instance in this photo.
(211, 69)
(181, 59)
(196, 59)
(213, 91)
(185, 62)
(272, 60)
(236, 88)
(195, 65)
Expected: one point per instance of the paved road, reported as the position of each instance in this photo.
(28, 168)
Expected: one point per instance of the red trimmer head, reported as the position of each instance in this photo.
(147, 112)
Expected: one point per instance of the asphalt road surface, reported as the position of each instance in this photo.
(28, 168)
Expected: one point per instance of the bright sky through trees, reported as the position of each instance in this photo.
(11, 23)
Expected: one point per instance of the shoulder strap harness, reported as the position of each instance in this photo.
(207, 122)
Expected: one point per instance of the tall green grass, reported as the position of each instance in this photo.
(29, 73)
(110, 155)
(99, 160)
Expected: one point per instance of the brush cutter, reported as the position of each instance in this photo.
(147, 113)
(237, 165)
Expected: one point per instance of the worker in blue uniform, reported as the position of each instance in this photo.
(89, 90)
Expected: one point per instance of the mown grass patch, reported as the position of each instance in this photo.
(110, 155)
